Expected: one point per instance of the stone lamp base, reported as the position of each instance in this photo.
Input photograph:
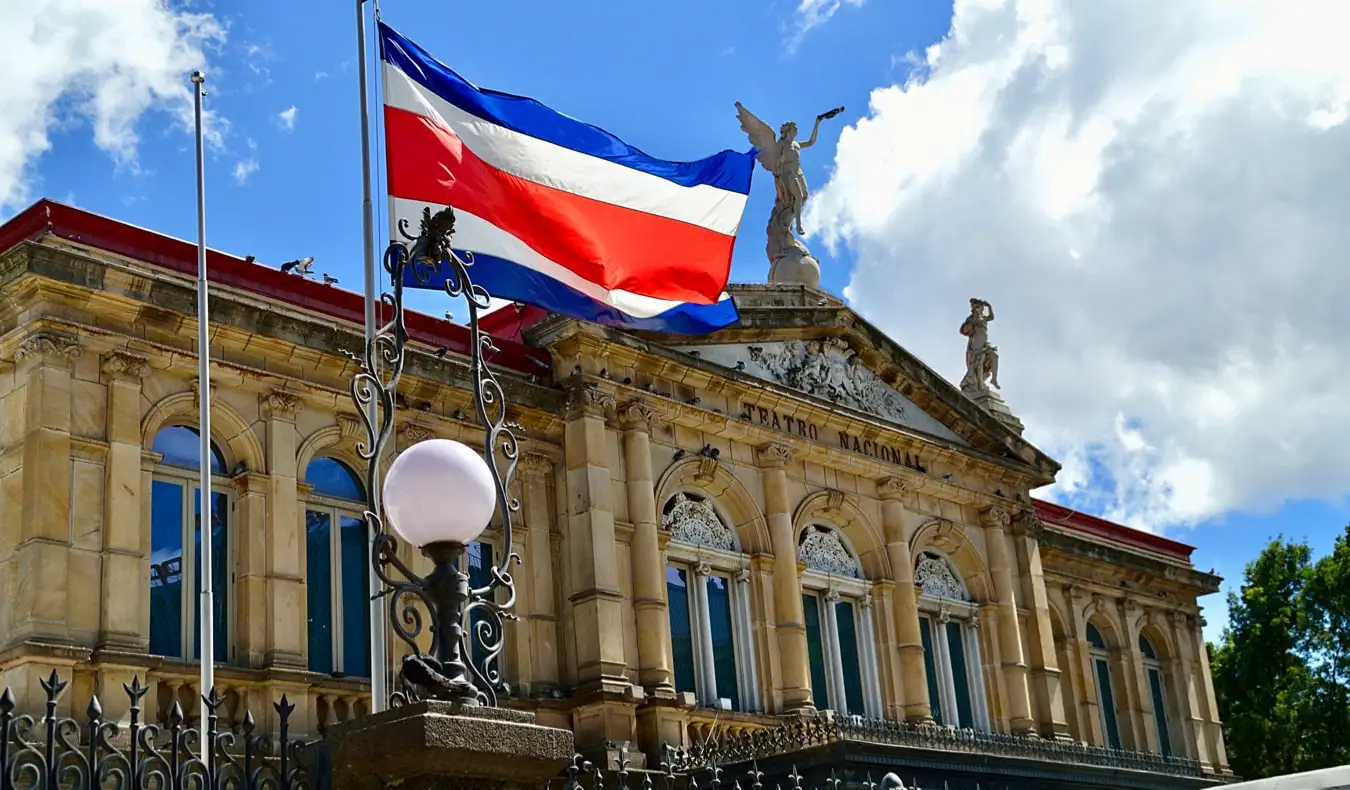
(435, 745)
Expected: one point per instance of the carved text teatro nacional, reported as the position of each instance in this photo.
(791, 520)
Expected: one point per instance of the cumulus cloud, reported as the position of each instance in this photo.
(1153, 197)
(69, 62)
(248, 165)
(287, 118)
(812, 14)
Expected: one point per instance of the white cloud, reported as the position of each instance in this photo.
(248, 165)
(287, 118)
(70, 62)
(814, 13)
(1153, 196)
(320, 75)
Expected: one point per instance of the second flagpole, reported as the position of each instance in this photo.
(379, 664)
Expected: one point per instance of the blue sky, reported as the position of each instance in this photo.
(285, 182)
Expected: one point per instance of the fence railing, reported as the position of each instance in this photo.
(54, 752)
(673, 774)
(801, 734)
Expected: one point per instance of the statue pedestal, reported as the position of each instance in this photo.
(436, 745)
(993, 403)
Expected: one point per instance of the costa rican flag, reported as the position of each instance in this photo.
(558, 213)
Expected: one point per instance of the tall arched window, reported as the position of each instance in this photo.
(1153, 674)
(175, 541)
(1106, 697)
(337, 563)
(708, 602)
(840, 641)
(949, 628)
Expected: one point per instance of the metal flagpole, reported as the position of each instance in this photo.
(379, 665)
(206, 619)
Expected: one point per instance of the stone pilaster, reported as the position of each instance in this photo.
(250, 608)
(649, 589)
(1194, 690)
(43, 361)
(908, 642)
(1089, 712)
(1140, 725)
(787, 589)
(1045, 678)
(540, 669)
(278, 576)
(123, 555)
(1218, 753)
(995, 522)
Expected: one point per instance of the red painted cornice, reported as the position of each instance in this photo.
(1109, 530)
(94, 230)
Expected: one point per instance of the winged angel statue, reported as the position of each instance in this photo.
(781, 155)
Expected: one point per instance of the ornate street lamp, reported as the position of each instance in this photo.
(439, 494)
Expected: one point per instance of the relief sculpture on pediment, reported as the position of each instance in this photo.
(830, 369)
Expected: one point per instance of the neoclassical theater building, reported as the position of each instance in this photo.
(793, 519)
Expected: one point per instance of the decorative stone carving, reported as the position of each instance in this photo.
(832, 594)
(707, 463)
(830, 369)
(822, 549)
(196, 385)
(282, 404)
(692, 520)
(411, 433)
(995, 517)
(590, 400)
(1027, 525)
(772, 456)
(865, 602)
(352, 428)
(834, 500)
(933, 577)
(741, 576)
(120, 365)
(1071, 593)
(702, 570)
(892, 488)
(636, 414)
(981, 355)
(1098, 603)
(535, 465)
(48, 344)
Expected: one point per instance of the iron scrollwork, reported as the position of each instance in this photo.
(422, 257)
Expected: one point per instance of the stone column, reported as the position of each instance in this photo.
(649, 589)
(834, 654)
(996, 521)
(282, 573)
(1218, 753)
(1143, 736)
(1046, 679)
(703, 633)
(787, 588)
(607, 699)
(867, 654)
(119, 613)
(536, 474)
(1090, 710)
(909, 642)
(1193, 703)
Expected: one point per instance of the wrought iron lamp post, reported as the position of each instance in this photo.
(439, 495)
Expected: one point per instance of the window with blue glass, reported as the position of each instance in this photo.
(479, 560)
(815, 650)
(175, 545)
(1101, 673)
(1154, 672)
(337, 567)
(703, 609)
(949, 630)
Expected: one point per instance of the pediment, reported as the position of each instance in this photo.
(826, 368)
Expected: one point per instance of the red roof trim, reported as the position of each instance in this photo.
(140, 244)
(1118, 533)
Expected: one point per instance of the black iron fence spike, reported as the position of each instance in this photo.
(95, 710)
(7, 702)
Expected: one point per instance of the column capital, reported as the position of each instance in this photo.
(832, 594)
(282, 405)
(535, 466)
(196, 385)
(892, 488)
(774, 456)
(411, 433)
(121, 366)
(1027, 525)
(589, 400)
(46, 344)
(636, 414)
(1071, 593)
(995, 517)
(741, 576)
(865, 603)
(702, 569)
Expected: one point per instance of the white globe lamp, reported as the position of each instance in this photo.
(439, 491)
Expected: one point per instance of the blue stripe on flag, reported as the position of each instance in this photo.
(729, 170)
(505, 279)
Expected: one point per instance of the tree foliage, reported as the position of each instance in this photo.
(1282, 667)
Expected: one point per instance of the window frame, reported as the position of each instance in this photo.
(936, 612)
(734, 567)
(335, 508)
(830, 590)
(189, 481)
(1162, 725)
(1099, 656)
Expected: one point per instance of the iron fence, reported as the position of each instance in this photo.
(674, 774)
(792, 736)
(55, 752)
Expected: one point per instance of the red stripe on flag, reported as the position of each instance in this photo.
(615, 247)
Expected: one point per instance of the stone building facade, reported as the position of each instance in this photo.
(791, 516)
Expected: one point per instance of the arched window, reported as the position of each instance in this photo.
(175, 544)
(840, 642)
(337, 570)
(1153, 672)
(949, 629)
(1106, 697)
(708, 602)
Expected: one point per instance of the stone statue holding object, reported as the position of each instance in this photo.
(981, 356)
(780, 154)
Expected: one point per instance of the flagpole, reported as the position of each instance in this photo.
(378, 660)
(206, 619)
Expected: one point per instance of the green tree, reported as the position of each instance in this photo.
(1260, 674)
(1325, 709)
